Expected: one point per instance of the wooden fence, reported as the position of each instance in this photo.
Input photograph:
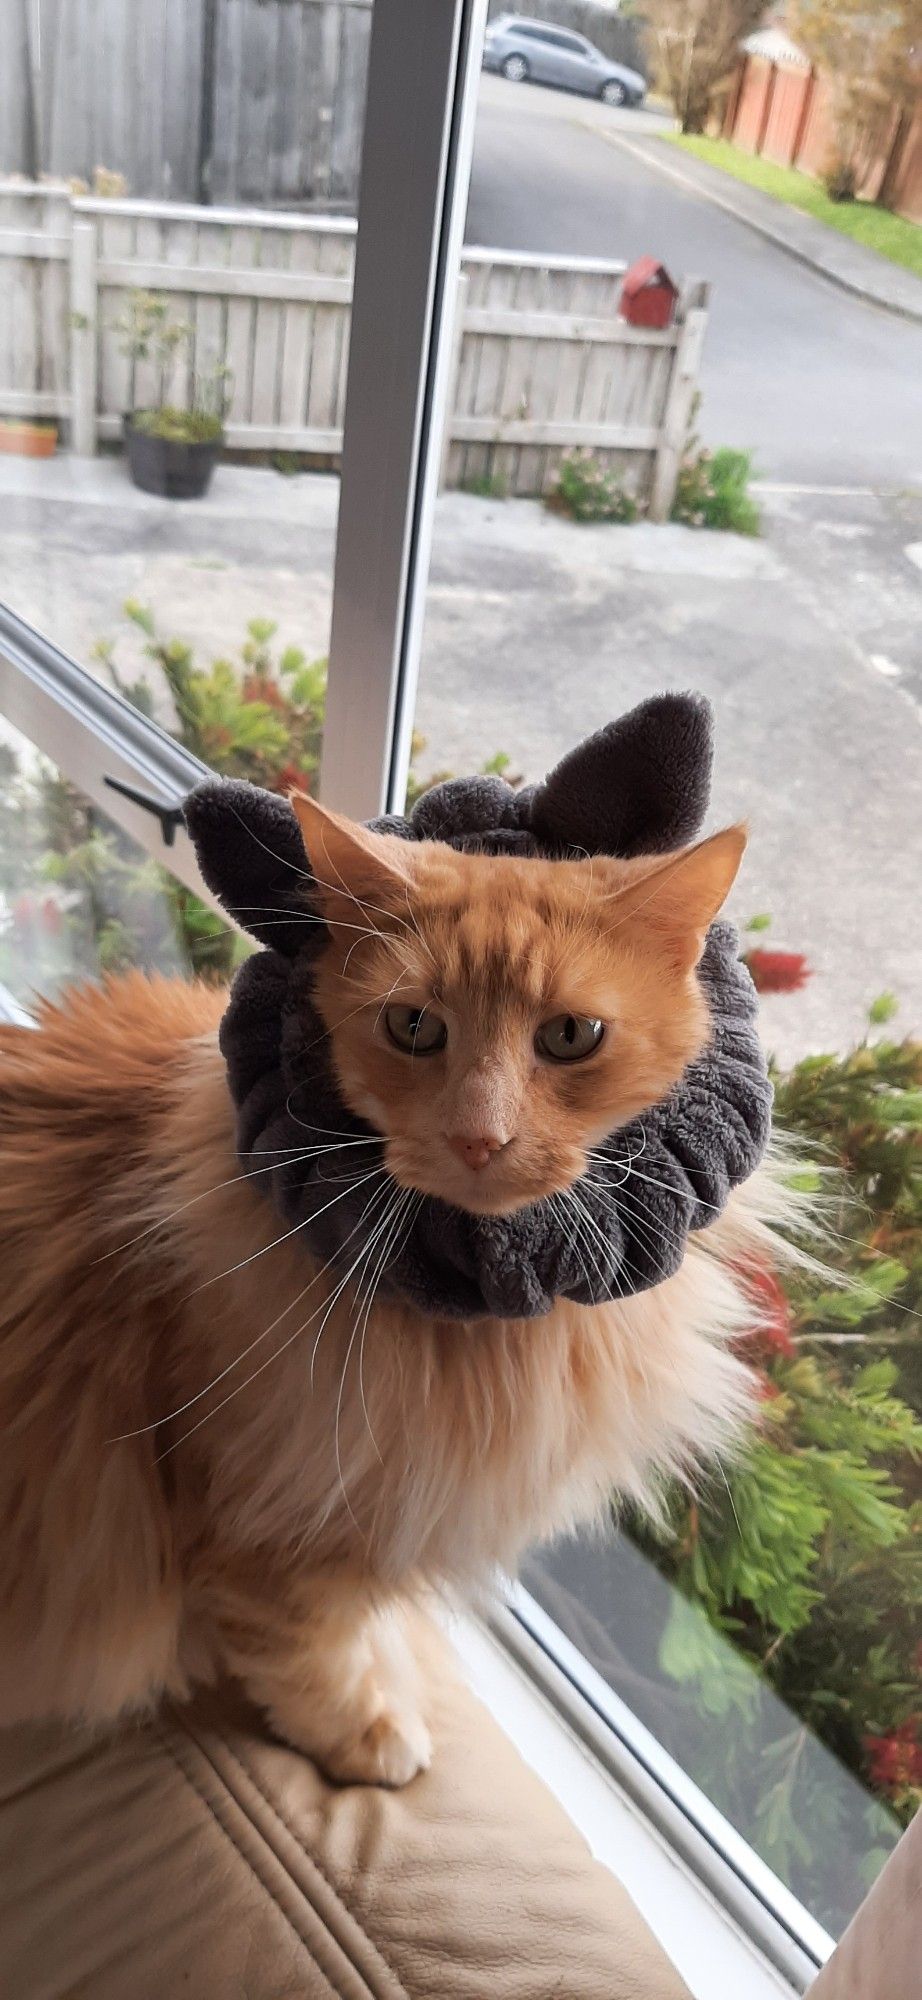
(542, 361)
(783, 110)
(227, 100)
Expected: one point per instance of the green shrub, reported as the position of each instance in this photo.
(490, 486)
(841, 180)
(808, 1553)
(585, 491)
(179, 426)
(712, 491)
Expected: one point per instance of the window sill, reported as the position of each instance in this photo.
(707, 1941)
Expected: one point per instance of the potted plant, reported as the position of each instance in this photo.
(24, 439)
(171, 447)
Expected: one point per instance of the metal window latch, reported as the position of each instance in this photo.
(170, 817)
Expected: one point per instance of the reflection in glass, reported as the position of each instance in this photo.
(79, 899)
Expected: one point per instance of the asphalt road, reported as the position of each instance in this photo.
(826, 389)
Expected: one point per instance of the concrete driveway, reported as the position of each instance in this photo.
(827, 389)
(538, 630)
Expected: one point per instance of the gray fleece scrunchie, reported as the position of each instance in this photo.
(640, 786)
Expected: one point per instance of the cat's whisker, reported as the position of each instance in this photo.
(381, 1196)
(277, 1241)
(172, 1415)
(388, 996)
(585, 1240)
(392, 1220)
(281, 860)
(570, 1221)
(598, 1233)
(305, 1152)
(414, 924)
(304, 874)
(249, 1173)
(651, 1181)
(361, 902)
(363, 1004)
(303, 919)
(636, 908)
(395, 1216)
(651, 1228)
(719, 1466)
(339, 1289)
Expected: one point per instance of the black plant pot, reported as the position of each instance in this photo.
(175, 470)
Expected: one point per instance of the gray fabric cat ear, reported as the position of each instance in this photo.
(251, 854)
(639, 786)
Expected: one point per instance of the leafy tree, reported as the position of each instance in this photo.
(695, 46)
(871, 59)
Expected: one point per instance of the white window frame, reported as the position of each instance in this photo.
(424, 66)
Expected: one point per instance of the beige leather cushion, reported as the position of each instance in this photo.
(880, 1956)
(195, 1858)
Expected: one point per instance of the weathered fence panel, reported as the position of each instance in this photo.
(227, 100)
(35, 249)
(542, 362)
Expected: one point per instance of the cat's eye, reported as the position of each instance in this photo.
(416, 1030)
(568, 1037)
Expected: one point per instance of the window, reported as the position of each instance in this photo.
(764, 1652)
(178, 267)
(199, 635)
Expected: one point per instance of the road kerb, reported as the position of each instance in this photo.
(718, 199)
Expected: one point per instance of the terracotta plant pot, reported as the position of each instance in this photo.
(175, 470)
(25, 440)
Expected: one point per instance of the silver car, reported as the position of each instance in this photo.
(521, 49)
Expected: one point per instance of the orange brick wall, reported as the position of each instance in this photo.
(785, 116)
(781, 112)
(747, 124)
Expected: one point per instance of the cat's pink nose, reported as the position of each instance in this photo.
(477, 1152)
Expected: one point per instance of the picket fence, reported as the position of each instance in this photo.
(542, 363)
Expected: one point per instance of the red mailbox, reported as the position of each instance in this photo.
(648, 295)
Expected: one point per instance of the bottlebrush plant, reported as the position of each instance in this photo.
(807, 1554)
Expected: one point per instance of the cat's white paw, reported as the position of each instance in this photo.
(392, 1750)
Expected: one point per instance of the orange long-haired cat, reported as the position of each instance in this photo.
(168, 1516)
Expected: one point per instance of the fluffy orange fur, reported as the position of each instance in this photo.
(214, 1460)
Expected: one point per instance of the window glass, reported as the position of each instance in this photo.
(178, 238)
(78, 898)
(767, 1627)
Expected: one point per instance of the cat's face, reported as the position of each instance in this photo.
(494, 1018)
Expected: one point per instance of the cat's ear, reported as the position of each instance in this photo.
(639, 786)
(677, 900)
(251, 855)
(350, 862)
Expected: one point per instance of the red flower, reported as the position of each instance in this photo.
(258, 687)
(777, 971)
(772, 1329)
(52, 916)
(895, 1760)
(23, 908)
(290, 779)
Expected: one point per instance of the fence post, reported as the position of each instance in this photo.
(454, 370)
(680, 396)
(83, 346)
